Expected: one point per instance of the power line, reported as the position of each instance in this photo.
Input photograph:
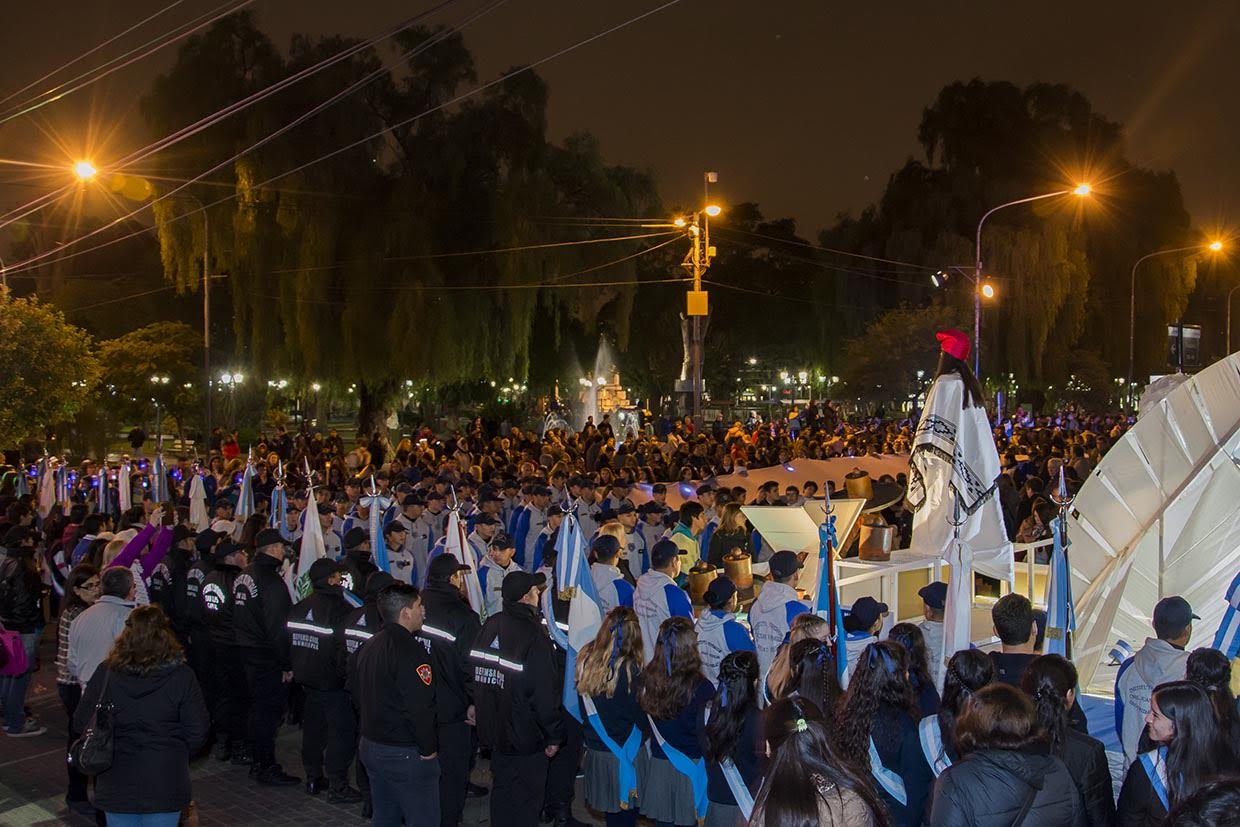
(835, 268)
(816, 248)
(116, 64)
(24, 265)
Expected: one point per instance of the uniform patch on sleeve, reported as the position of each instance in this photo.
(424, 672)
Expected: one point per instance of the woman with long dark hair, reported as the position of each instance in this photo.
(910, 636)
(1187, 747)
(81, 590)
(1211, 670)
(967, 672)
(813, 675)
(672, 691)
(732, 741)
(158, 721)
(1006, 777)
(877, 725)
(1050, 680)
(808, 781)
(779, 676)
(607, 669)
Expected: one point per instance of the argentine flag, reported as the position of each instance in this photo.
(827, 601)
(585, 613)
(1227, 639)
(1060, 616)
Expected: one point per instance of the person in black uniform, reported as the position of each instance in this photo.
(356, 561)
(261, 610)
(198, 652)
(451, 626)
(316, 626)
(229, 691)
(563, 767)
(394, 684)
(360, 626)
(517, 701)
(168, 582)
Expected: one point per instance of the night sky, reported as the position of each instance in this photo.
(804, 106)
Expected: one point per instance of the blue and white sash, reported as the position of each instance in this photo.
(736, 784)
(932, 744)
(693, 769)
(1154, 763)
(890, 781)
(625, 755)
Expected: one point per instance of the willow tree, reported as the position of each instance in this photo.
(359, 267)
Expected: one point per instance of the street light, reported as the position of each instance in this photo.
(713, 210)
(1081, 190)
(85, 170)
(988, 291)
(1213, 246)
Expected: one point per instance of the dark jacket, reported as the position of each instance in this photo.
(1086, 759)
(358, 567)
(989, 788)
(21, 592)
(722, 542)
(393, 683)
(316, 628)
(191, 595)
(159, 720)
(899, 748)
(262, 607)
(1139, 805)
(749, 756)
(619, 714)
(1010, 668)
(218, 605)
(452, 627)
(516, 691)
(168, 588)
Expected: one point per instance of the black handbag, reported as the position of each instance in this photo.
(92, 752)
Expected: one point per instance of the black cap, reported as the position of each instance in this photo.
(486, 519)
(1172, 615)
(540, 491)
(785, 563)
(434, 495)
(489, 498)
(181, 532)
(719, 592)
(443, 567)
(934, 595)
(226, 548)
(324, 508)
(206, 540)
(377, 582)
(555, 511)
(17, 535)
(354, 537)
(503, 539)
(658, 488)
(585, 482)
(268, 537)
(395, 525)
(412, 499)
(510, 483)
(650, 507)
(605, 546)
(865, 613)
(625, 507)
(518, 584)
(321, 569)
(664, 552)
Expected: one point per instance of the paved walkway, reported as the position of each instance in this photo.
(33, 781)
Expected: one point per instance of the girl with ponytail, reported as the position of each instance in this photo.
(1210, 669)
(913, 640)
(813, 674)
(877, 725)
(1050, 681)
(733, 745)
(607, 669)
(968, 671)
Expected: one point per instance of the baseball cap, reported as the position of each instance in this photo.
(395, 525)
(503, 540)
(412, 499)
(324, 508)
(355, 537)
(181, 532)
(226, 548)
(486, 519)
(719, 592)
(865, 611)
(540, 491)
(433, 495)
(1171, 616)
(322, 569)
(626, 507)
(605, 546)
(17, 535)
(650, 507)
(518, 584)
(377, 581)
(785, 563)
(664, 552)
(555, 511)
(934, 595)
(444, 566)
(268, 537)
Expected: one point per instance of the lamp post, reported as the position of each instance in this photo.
(1213, 246)
(1080, 190)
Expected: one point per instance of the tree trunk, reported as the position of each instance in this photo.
(374, 407)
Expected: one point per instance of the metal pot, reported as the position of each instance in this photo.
(738, 566)
(700, 577)
(875, 542)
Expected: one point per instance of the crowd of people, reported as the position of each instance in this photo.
(198, 638)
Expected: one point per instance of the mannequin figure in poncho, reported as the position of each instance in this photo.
(954, 458)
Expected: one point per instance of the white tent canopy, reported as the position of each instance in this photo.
(1159, 516)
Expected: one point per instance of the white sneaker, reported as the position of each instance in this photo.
(31, 728)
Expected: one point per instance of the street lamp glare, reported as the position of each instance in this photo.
(713, 210)
(988, 291)
(1215, 246)
(85, 170)
(679, 222)
(1082, 190)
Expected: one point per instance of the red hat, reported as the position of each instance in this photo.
(954, 343)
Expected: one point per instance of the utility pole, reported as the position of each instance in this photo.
(697, 262)
(206, 325)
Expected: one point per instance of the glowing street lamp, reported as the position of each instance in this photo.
(85, 170)
(988, 291)
(713, 210)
